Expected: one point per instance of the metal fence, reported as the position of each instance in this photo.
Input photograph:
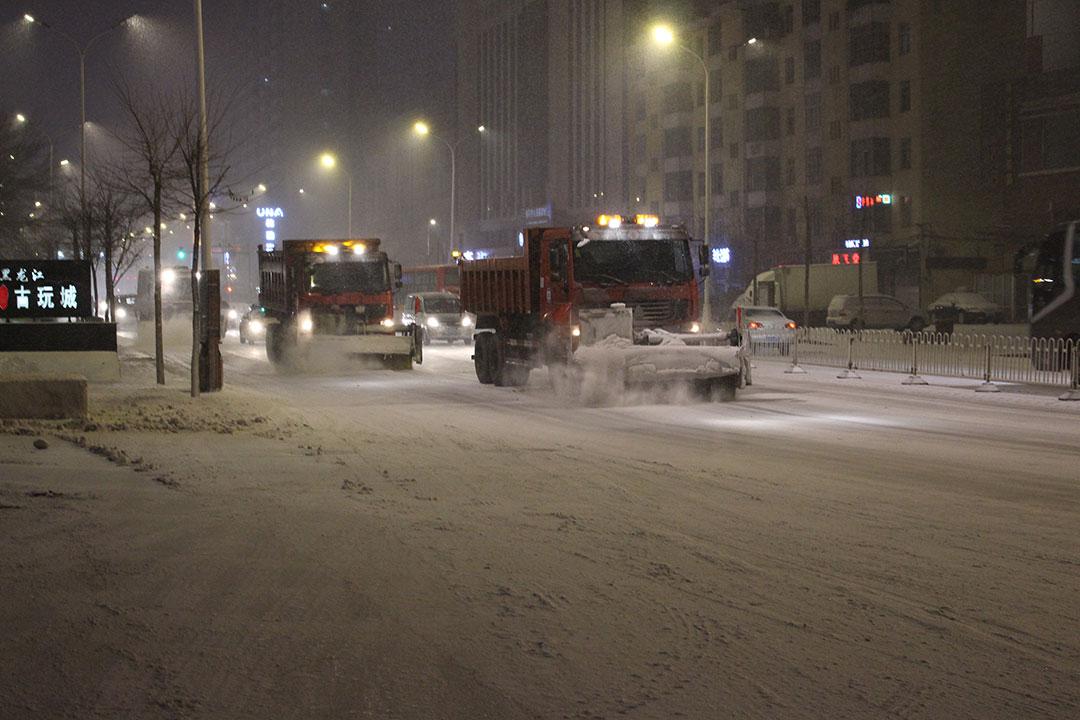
(991, 358)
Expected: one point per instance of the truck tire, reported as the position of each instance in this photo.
(482, 358)
(275, 351)
(507, 373)
(418, 349)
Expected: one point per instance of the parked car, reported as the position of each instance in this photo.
(963, 307)
(879, 312)
(252, 325)
(764, 327)
(439, 316)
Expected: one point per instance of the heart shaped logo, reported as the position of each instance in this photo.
(3, 297)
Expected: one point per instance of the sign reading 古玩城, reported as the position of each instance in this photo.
(45, 289)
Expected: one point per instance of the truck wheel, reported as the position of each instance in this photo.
(418, 351)
(723, 390)
(507, 374)
(274, 351)
(482, 359)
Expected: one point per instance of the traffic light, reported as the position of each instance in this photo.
(181, 254)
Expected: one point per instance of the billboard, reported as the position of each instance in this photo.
(31, 289)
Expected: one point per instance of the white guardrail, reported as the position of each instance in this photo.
(986, 357)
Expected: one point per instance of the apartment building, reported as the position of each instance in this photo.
(835, 125)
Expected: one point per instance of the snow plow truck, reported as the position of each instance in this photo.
(332, 300)
(617, 300)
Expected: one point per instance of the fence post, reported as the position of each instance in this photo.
(914, 378)
(1074, 371)
(795, 368)
(987, 385)
(850, 373)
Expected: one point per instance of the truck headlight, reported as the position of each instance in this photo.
(387, 322)
(433, 322)
(307, 324)
(255, 327)
(576, 332)
(233, 315)
(695, 328)
(121, 314)
(466, 321)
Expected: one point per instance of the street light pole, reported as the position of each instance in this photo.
(82, 49)
(421, 128)
(206, 249)
(348, 176)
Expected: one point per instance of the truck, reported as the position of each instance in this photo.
(175, 293)
(618, 298)
(327, 298)
(783, 287)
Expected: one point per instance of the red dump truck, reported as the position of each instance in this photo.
(619, 297)
(332, 299)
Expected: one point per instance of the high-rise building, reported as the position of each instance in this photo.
(547, 80)
(838, 124)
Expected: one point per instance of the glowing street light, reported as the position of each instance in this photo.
(29, 18)
(481, 129)
(752, 41)
(65, 162)
(329, 161)
(20, 118)
(663, 35)
(422, 129)
(261, 188)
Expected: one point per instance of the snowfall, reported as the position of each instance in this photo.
(377, 544)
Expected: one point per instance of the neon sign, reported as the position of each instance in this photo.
(270, 212)
(866, 201)
(847, 258)
(857, 244)
(721, 255)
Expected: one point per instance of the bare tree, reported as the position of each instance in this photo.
(189, 193)
(23, 184)
(151, 147)
(115, 211)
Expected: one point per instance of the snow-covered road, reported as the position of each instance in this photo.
(416, 545)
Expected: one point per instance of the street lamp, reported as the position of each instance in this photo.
(82, 49)
(329, 162)
(664, 36)
(422, 129)
(21, 119)
(432, 223)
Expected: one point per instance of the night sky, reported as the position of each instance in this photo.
(399, 67)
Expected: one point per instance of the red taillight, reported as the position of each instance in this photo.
(791, 326)
(754, 325)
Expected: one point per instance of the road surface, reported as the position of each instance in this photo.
(415, 545)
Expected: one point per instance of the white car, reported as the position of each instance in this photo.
(963, 308)
(877, 312)
(763, 327)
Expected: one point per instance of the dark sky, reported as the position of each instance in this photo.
(400, 66)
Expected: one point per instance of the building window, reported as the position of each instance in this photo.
(733, 198)
(905, 95)
(716, 86)
(642, 147)
(789, 19)
(733, 102)
(811, 12)
(834, 21)
(763, 124)
(813, 112)
(905, 154)
(701, 184)
(716, 133)
(869, 44)
(813, 166)
(870, 100)
(677, 142)
(762, 173)
(762, 75)
(904, 39)
(715, 39)
(872, 219)
(871, 157)
(792, 224)
(789, 70)
(640, 112)
(790, 121)
(790, 180)
(733, 151)
(905, 212)
(733, 53)
(654, 121)
(834, 74)
(679, 97)
(654, 164)
(679, 186)
(836, 130)
(701, 138)
(717, 179)
(812, 60)
(836, 185)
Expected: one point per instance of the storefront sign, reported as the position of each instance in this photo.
(45, 289)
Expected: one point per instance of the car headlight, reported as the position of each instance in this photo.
(433, 322)
(121, 314)
(256, 327)
(695, 328)
(387, 322)
(307, 324)
(233, 315)
(466, 321)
